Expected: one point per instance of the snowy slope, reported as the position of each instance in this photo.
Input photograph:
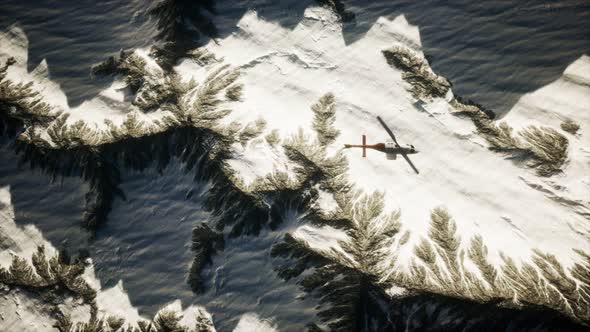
(111, 103)
(568, 98)
(286, 71)
(25, 311)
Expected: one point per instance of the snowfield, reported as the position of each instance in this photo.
(26, 311)
(284, 72)
(109, 104)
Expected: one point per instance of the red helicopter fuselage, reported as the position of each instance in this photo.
(389, 147)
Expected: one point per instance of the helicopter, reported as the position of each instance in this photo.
(391, 149)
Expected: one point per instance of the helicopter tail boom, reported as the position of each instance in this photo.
(363, 146)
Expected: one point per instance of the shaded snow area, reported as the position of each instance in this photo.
(37, 198)
(251, 322)
(25, 311)
(141, 258)
(111, 104)
(149, 234)
(242, 285)
(145, 249)
(139, 261)
(21, 311)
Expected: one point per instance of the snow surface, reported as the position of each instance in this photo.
(322, 239)
(285, 71)
(15, 240)
(257, 159)
(568, 98)
(189, 314)
(19, 311)
(23, 311)
(251, 322)
(111, 103)
(23, 242)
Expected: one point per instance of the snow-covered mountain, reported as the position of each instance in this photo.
(498, 215)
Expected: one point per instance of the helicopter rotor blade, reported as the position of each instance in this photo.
(410, 162)
(388, 130)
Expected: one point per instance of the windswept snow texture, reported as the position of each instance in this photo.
(112, 103)
(251, 322)
(145, 248)
(142, 256)
(494, 51)
(285, 71)
(54, 207)
(23, 310)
